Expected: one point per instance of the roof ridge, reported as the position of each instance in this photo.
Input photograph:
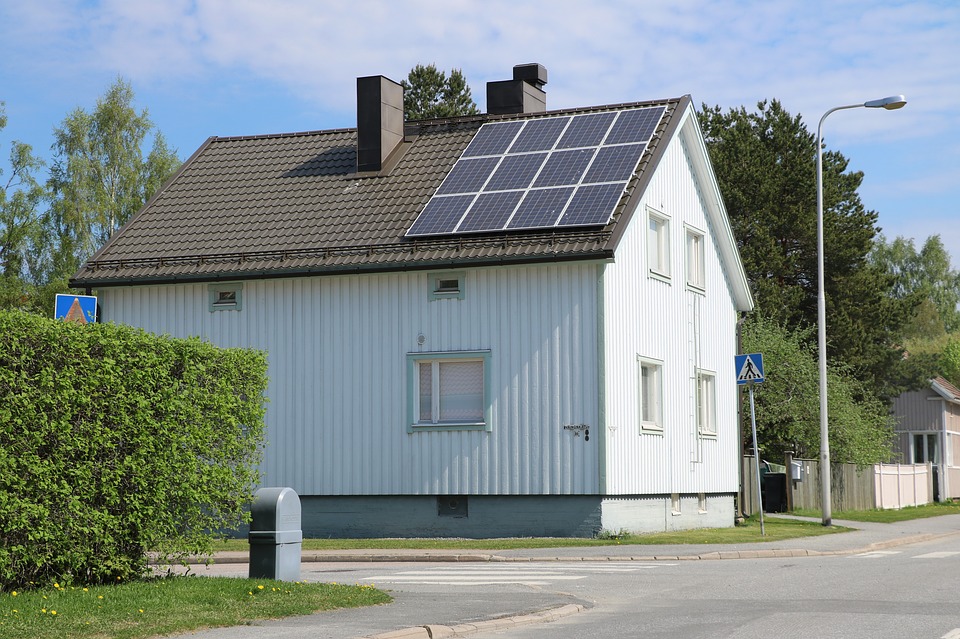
(266, 136)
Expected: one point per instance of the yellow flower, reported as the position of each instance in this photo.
(259, 587)
(99, 596)
(14, 593)
(141, 611)
(56, 585)
(85, 590)
(53, 612)
(43, 610)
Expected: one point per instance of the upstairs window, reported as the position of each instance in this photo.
(696, 271)
(658, 244)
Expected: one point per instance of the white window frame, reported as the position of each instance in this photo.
(654, 425)
(435, 359)
(706, 390)
(695, 259)
(658, 244)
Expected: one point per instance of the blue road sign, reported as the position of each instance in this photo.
(76, 308)
(749, 368)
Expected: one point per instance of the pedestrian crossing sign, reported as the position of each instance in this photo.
(81, 309)
(749, 368)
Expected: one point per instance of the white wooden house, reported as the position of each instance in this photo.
(928, 430)
(460, 344)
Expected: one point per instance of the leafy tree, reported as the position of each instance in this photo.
(765, 162)
(926, 279)
(788, 402)
(20, 198)
(429, 93)
(950, 361)
(100, 176)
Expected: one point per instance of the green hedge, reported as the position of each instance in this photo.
(116, 443)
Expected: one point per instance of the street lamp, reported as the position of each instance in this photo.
(889, 103)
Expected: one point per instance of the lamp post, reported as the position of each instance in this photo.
(889, 103)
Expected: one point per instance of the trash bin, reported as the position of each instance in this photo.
(275, 535)
(774, 487)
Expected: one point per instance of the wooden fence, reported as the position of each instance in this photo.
(878, 486)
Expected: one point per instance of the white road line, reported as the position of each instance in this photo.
(876, 554)
(417, 576)
(937, 555)
(953, 634)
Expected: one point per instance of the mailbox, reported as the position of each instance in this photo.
(275, 535)
(796, 471)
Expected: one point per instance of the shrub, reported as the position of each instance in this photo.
(116, 443)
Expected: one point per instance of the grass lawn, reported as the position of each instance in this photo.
(776, 529)
(168, 605)
(889, 516)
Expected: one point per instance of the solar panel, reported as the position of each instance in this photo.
(490, 211)
(516, 172)
(546, 172)
(539, 135)
(493, 139)
(540, 208)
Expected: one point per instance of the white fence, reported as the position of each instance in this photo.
(900, 485)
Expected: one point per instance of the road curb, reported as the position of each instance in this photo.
(436, 631)
(239, 557)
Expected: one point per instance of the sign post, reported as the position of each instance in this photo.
(750, 372)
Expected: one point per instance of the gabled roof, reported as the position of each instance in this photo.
(293, 204)
(945, 389)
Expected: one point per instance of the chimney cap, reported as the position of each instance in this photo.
(532, 73)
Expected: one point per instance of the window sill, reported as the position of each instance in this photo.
(708, 434)
(651, 429)
(661, 277)
(442, 427)
(693, 288)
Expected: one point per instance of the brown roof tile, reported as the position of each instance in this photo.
(292, 204)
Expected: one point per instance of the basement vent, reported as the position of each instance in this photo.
(452, 506)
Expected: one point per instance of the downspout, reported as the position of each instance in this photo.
(944, 482)
(601, 387)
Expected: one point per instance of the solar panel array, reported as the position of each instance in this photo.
(559, 171)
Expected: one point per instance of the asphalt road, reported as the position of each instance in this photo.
(897, 581)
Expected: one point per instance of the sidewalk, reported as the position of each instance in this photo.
(475, 616)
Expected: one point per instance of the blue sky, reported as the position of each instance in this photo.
(247, 67)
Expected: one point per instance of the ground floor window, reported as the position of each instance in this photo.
(449, 390)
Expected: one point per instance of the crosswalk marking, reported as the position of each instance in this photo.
(875, 554)
(499, 574)
(937, 555)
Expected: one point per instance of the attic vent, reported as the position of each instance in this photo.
(523, 94)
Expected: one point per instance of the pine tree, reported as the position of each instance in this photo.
(428, 93)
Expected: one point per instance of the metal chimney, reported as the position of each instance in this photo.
(379, 121)
(523, 94)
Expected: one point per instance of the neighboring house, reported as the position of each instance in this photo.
(928, 430)
(556, 360)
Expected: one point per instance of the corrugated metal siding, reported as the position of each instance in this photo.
(665, 321)
(918, 410)
(337, 349)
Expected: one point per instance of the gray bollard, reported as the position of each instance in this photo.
(275, 535)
